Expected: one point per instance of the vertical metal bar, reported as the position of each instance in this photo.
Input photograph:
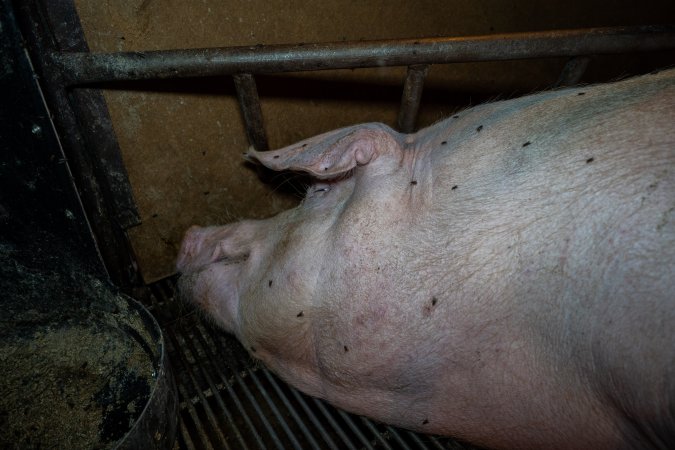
(291, 410)
(233, 395)
(87, 137)
(185, 434)
(350, 423)
(249, 102)
(275, 411)
(338, 429)
(182, 393)
(261, 415)
(573, 71)
(393, 432)
(207, 409)
(313, 419)
(376, 434)
(205, 373)
(412, 95)
(446, 444)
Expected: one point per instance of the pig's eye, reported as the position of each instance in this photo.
(318, 190)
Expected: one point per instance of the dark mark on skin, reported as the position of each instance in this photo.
(325, 168)
(413, 182)
(300, 314)
(480, 127)
(155, 215)
(527, 143)
(455, 117)
(276, 156)
(581, 93)
(269, 283)
(454, 187)
(590, 160)
(203, 153)
(426, 311)
(346, 349)
(206, 192)
(444, 142)
(304, 145)
(253, 349)
(425, 421)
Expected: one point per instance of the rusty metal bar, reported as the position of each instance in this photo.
(249, 102)
(412, 95)
(81, 67)
(573, 71)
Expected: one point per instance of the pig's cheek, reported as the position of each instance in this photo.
(217, 294)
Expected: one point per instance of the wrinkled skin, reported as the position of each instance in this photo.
(506, 276)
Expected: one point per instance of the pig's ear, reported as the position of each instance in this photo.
(332, 154)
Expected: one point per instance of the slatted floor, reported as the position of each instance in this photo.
(228, 401)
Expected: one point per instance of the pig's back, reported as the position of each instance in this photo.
(554, 216)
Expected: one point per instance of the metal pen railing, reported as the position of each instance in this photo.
(81, 68)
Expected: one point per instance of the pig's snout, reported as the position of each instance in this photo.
(189, 248)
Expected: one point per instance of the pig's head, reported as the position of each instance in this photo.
(251, 276)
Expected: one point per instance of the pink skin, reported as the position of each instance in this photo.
(505, 276)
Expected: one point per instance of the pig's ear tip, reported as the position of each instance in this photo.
(250, 154)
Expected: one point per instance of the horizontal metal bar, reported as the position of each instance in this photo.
(82, 68)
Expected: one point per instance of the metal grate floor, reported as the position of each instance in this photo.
(228, 401)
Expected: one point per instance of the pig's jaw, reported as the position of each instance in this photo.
(214, 291)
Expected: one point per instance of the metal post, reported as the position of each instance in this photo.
(249, 102)
(412, 95)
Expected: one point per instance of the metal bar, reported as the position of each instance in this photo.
(289, 407)
(183, 394)
(261, 415)
(180, 352)
(448, 444)
(89, 144)
(376, 434)
(399, 440)
(433, 440)
(314, 419)
(249, 102)
(412, 95)
(190, 343)
(275, 411)
(81, 67)
(573, 71)
(232, 395)
(338, 429)
(185, 434)
(352, 426)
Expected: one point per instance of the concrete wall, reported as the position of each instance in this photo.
(181, 140)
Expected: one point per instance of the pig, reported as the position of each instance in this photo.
(505, 276)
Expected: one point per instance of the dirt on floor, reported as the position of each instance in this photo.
(78, 363)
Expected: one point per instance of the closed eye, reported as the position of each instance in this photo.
(221, 255)
(237, 259)
(317, 190)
